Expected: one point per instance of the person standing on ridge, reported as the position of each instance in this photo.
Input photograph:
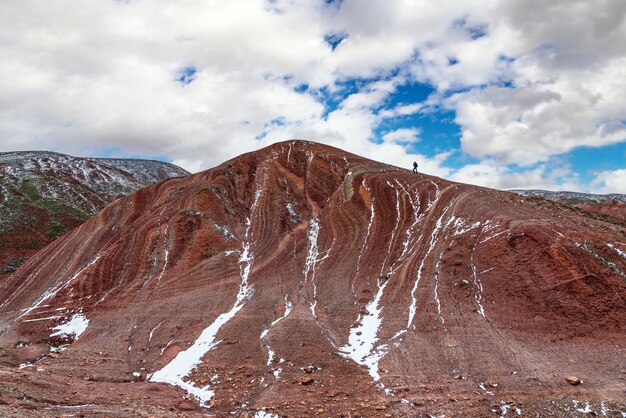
(414, 167)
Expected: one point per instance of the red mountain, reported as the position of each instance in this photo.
(301, 280)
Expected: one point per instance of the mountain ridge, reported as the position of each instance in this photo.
(43, 194)
(301, 278)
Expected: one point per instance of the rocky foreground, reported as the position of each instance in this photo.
(301, 280)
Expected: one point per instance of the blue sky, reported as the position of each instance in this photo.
(499, 93)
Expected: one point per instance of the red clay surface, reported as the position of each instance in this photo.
(465, 301)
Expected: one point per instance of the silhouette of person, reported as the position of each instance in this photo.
(414, 167)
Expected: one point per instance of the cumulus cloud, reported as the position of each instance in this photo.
(199, 82)
(402, 135)
(610, 182)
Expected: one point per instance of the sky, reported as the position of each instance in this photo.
(500, 93)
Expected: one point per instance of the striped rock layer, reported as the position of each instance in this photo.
(301, 279)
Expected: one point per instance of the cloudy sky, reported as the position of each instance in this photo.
(505, 94)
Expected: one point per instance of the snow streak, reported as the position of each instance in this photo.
(175, 372)
(361, 346)
(617, 250)
(154, 329)
(479, 286)
(431, 245)
(167, 250)
(52, 292)
(311, 260)
(367, 234)
(435, 291)
(288, 309)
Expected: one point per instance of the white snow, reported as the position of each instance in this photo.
(435, 291)
(262, 414)
(488, 227)
(225, 231)
(311, 260)
(367, 234)
(167, 345)
(52, 292)
(176, 371)
(292, 212)
(617, 250)
(270, 355)
(288, 308)
(431, 245)
(362, 339)
(486, 392)
(167, 250)
(478, 284)
(42, 319)
(154, 329)
(587, 409)
(361, 346)
(74, 327)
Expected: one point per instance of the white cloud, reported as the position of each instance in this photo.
(610, 182)
(489, 173)
(402, 135)
(533, 80)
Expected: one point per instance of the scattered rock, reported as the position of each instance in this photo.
(573, 380)
(307, 381)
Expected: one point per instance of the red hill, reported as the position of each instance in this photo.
(302, 280)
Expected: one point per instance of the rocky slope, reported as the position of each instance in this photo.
(45, 194)
(301, 280)
(607, 207)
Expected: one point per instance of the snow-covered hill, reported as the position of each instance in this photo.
(610, 207)
(45, 194)
(572, 197)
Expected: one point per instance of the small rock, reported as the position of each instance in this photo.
(307, 381)
(573, 380)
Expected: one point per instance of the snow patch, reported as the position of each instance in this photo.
(226, 233)
(73, 328)
(362, 339)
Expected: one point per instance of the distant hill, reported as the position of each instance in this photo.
(601, 206)
(45, 194)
